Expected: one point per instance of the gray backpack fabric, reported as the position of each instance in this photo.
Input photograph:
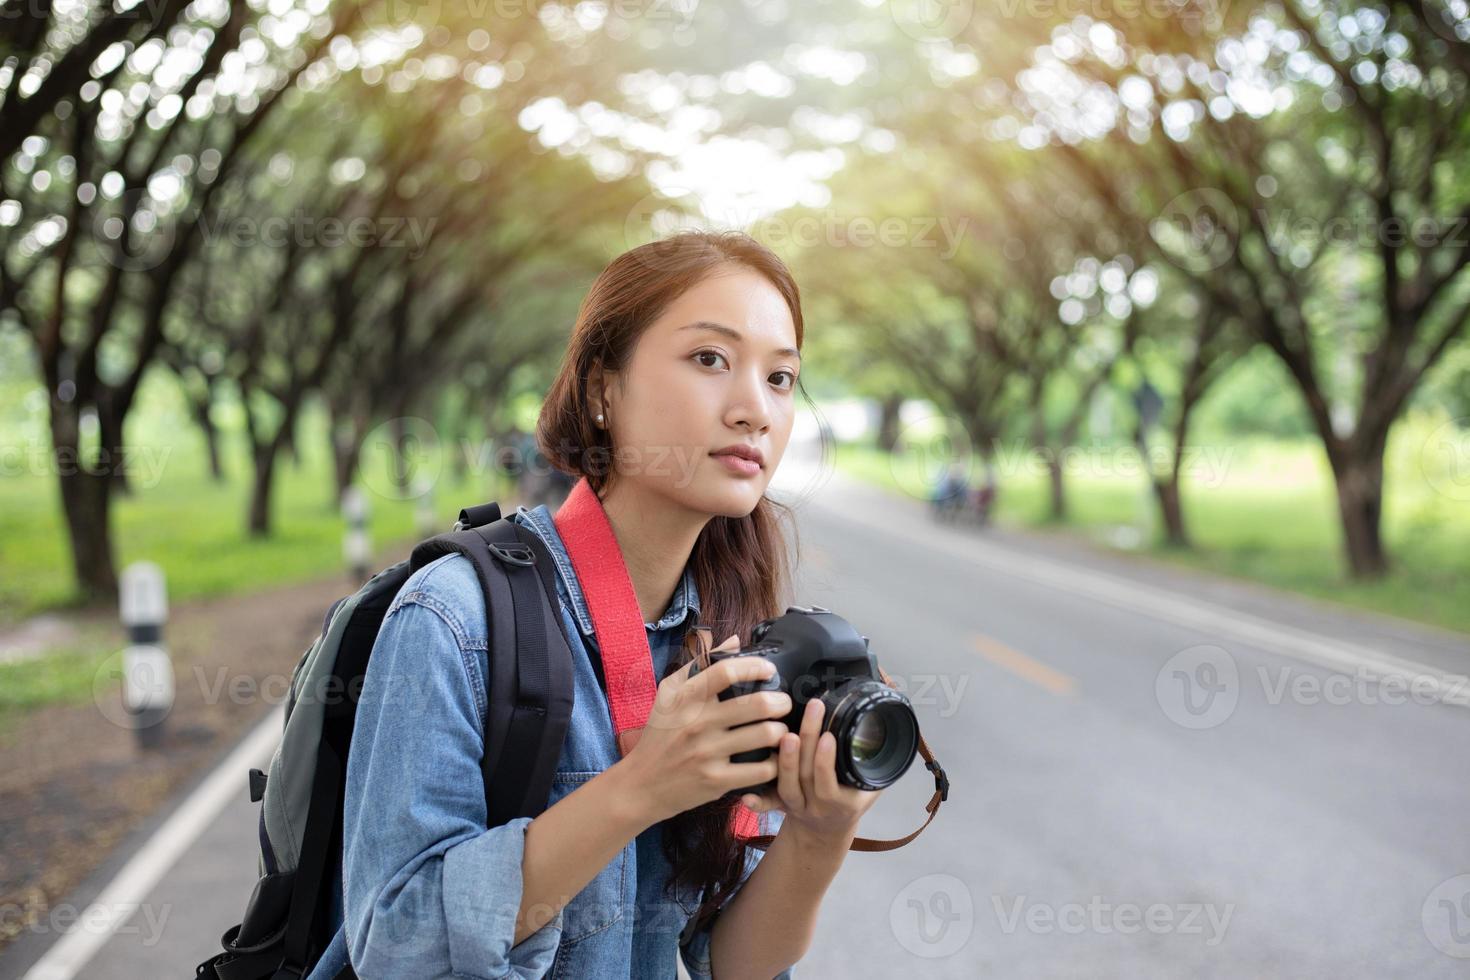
(286, 924)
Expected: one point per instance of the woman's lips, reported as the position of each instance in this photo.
(739, 466)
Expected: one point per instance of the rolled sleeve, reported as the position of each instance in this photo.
(695, 951)
(494, 856)
(429, 892)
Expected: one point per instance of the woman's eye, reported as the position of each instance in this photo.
(717, 357)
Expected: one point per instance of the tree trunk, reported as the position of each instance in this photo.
(85, 500)
(1171, 510)
(460, 450)
(111, 458)
(1358, 471)
(288, 440)
(260, 490)
(888, 422)
(1058, 487)
(118, 475)
(211, 439)
(402, 466)
(346, 452)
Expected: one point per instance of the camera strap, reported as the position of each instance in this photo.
(622, 639)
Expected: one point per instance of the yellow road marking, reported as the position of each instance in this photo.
(1038, 673)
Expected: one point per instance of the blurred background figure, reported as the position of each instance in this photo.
(952, 493)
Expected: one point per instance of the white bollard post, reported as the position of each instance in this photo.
(357, 548)
(148, 674)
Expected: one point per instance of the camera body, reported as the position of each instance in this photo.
(821, 656)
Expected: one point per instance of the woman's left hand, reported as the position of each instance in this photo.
(807, 790)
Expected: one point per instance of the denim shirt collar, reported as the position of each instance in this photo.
(684, 604)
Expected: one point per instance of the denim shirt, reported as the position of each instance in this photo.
(429, 891)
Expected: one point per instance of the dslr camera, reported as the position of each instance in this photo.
(820, 656)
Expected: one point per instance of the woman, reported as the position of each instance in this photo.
(685, 355)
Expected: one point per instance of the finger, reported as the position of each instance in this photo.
(708, 684)
(683, 672)
(670, 689)
(756, 706)
(826, 766)
(677, 700)
(811, 729)
(761, 802)
(738, 775)
(788, 782)
(759, 735)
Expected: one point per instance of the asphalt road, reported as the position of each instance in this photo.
(1145, 782)
(1101, 826)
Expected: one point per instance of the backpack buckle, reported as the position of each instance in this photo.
(513, 554)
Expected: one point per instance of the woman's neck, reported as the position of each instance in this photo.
(656, 537)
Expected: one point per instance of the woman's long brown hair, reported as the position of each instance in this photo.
(741, 565)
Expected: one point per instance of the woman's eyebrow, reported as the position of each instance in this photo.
(735, 335)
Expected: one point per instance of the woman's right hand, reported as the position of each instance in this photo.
(682, 756)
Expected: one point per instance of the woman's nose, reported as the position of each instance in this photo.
(751, 406)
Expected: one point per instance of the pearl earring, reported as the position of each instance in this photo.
(599, 418)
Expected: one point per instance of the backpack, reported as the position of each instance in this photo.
(286, 924)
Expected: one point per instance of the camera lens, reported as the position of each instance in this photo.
(868, 736)
(877, 733)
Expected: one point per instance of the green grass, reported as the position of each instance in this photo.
(63, 675)
(193, 526)
(1266, 512)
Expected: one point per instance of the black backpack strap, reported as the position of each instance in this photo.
(326, 792)
(529, 690)
(478, 515)
(540, 711)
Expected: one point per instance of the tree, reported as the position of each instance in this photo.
(1310, 153)
(115, 177)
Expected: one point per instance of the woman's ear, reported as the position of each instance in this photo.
(596, 394)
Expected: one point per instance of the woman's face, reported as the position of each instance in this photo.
(716, 369)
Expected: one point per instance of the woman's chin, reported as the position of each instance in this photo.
(721, 495)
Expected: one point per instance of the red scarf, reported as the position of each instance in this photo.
(627, 661)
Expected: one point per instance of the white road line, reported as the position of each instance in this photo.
(126, 892)
(1179, 609)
